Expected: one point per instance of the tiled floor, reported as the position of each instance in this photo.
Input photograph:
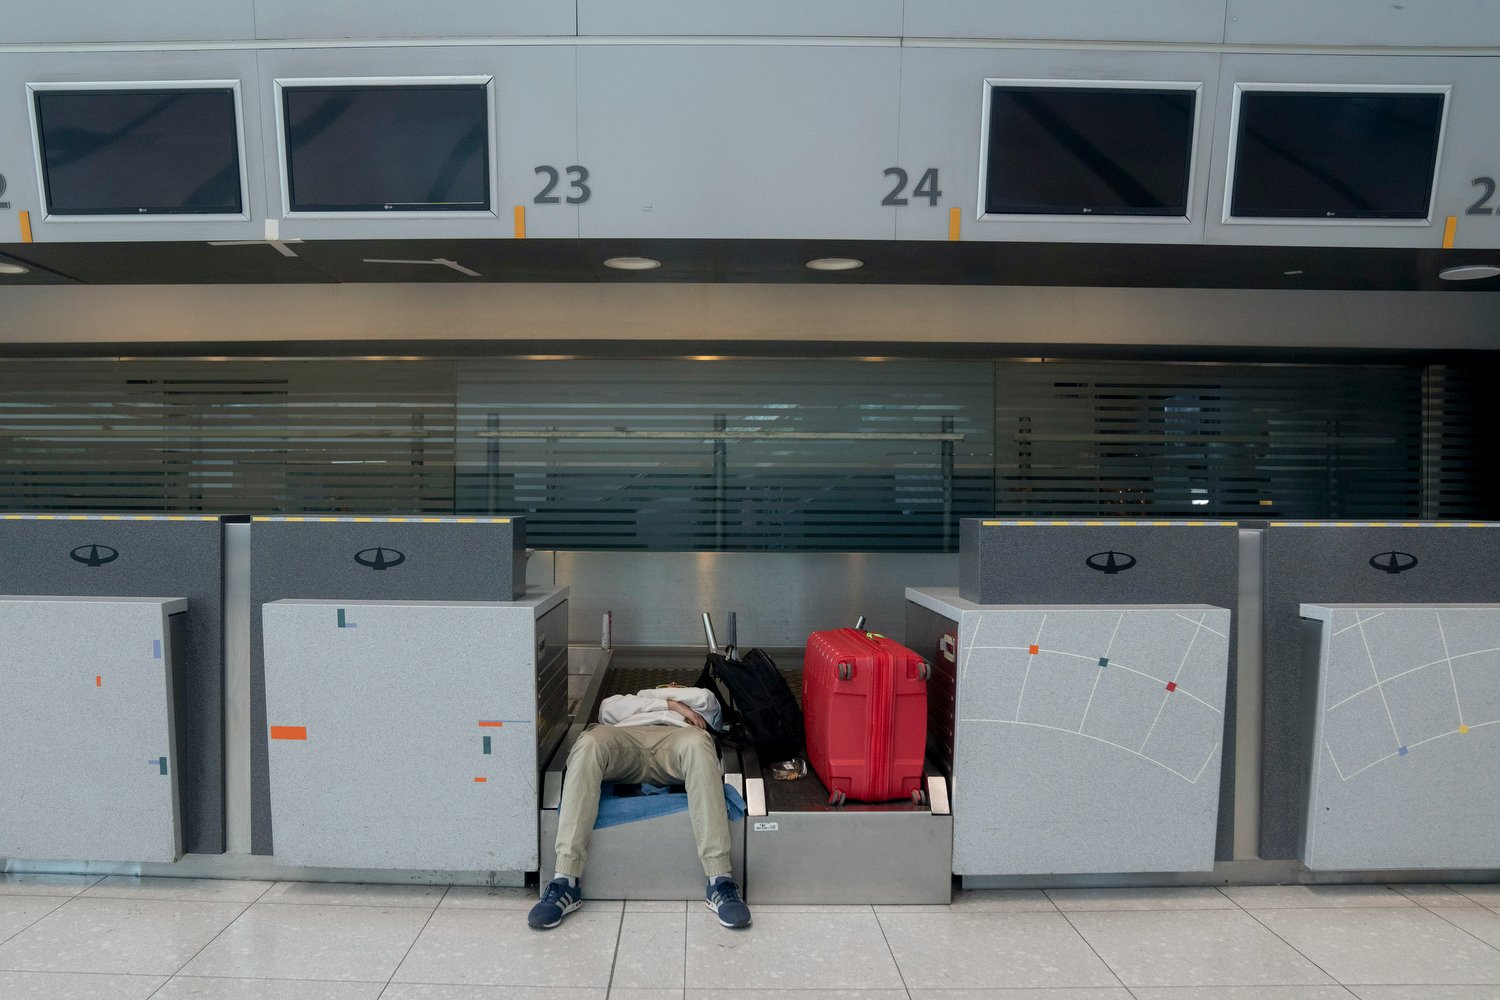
(85, 938)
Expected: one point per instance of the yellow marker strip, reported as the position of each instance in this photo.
(1450, 229)
(1463, 729)
(954, 224)
(520, 214)
(25, 218)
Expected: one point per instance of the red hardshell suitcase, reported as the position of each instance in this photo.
(864, 700)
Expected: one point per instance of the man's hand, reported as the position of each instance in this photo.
(693, 718)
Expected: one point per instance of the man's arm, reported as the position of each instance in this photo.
(692, 717)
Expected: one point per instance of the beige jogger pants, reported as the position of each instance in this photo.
(659, 755)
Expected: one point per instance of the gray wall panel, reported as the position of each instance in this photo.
(942, 91)
(461, 559)
(1321, 563)
(738, 141)
(1362, 22)
(395, 19)
(154, 556)
(62, 21)
(726, 17)
(1471, 147)
(88, 763)
(1132, 20)
(17, 143)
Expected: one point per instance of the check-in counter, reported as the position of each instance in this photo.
(144, 556)
(88, 728)
(407, 734)
(1085, 738)
(1365, 563)
(347, 559)
(1405, 702)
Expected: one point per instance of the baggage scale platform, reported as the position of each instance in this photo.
(792, 847)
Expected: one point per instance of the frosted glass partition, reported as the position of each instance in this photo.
(1406, 735)
(1087, 738)
(88, 741)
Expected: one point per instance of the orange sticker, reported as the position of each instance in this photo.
(98, 681)
(495, 725)
(481, 779)
(288, 732)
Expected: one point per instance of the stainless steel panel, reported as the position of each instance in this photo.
(62, 21)
(1130, 20)
(1362, 22)
(658, 597)
(398, 19)
(648, 859)
(728, 17)
(854, 857)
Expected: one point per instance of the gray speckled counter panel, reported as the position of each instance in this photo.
(1407, 736)
(1087, 738)
(87, 735)
(403, 734)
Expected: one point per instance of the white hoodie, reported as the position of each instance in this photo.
(649, 707)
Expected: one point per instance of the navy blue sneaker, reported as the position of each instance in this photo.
(723, 897)
(558, 900)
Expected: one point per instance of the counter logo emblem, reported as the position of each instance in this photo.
(380, 558)
(94, 555)
(1393, 561)
(1110, 562)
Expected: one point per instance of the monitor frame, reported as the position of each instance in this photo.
(491, 178)
(990, 83)
(1233, 150)
(243, 215)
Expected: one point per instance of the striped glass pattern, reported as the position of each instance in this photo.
(729, 455)
(1208, 440)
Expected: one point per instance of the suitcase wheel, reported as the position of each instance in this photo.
(918, 797)
(846, 671)
(836, 799)
(924, 670)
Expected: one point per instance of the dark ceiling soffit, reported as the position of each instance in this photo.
(909, 262)
(479, 350)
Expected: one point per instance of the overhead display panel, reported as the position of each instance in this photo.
(1068, 149)
(386, 147)
(1335, 152)
(139, 149)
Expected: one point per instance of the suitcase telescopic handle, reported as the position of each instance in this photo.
(708, 633)
(859, 626)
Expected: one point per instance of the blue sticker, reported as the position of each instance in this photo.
(156, 649)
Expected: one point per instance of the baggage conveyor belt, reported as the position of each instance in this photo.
(797, 848)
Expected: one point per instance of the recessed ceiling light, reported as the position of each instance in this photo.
(6, 267)
(1468, 272)
(1291, 274)
(835, 264)
(632, 263)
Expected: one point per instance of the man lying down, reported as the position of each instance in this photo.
(659, 736)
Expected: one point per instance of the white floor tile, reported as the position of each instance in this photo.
(1426, 992)
(207, 890)
(200, 988)
(1194, 948)
(76, 986)
(344, 893)
(1183, 898)
(656, 993)
(19, 912)
(1484, 893)
(271, 941)
(992, 950)
(45, 885)
(809, 951)
(133, 936)
(496, 948)
(1432, 894)
(430, 991)
(651, 951)
(1267, 897)
(1002, 900)
(658, 905)
(1386, 946)
(1067, 993)
(1242, 993)
(478, 897)
(1479, 921)
(797, 995)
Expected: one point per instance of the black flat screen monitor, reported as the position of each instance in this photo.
(418, 148)
(1089, 150)
(1335, 154)
(139, 152)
